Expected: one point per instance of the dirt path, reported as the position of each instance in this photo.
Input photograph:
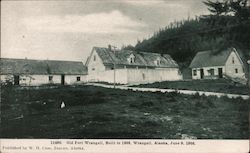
(188, 92)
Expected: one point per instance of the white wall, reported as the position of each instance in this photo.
(206, 73)
(230, 66)
(135, 76)
(32, 79)
(39, 79)
(197, 76)
(97, 72)
(42, 79)
(4, 78)
(228, 69)
(95, 66)
(108, 76)
(71, 79)
(153, 75)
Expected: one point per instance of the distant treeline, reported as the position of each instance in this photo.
(228, 25)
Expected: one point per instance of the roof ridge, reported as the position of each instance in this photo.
(207, 58)
(144, 58)
(41, 66)
(224, 50)
(38, 60)
(151, 53)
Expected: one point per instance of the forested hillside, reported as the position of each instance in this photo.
(228, 25)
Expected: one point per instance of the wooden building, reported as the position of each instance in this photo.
(210, 65)
(37, 72)
(130, 67)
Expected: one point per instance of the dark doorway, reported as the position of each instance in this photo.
(202, 73)
(220, 72)
(62, 79)
(16, 79)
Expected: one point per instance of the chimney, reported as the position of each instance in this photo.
(112, 48)
(109, 47)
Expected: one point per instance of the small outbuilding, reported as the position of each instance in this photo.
(38, 72)
(212, 65)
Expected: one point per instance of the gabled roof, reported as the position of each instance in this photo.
(165, 59)
(27, 66)
(120, 57)
(208, 58)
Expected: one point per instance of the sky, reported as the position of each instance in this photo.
(68, 30)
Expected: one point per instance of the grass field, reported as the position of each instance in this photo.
(95, 112)
(218, 85)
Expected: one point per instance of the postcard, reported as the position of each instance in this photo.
(125, 76)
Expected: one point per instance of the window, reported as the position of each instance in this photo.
(194, 72)
(233, 60)
(16, 79)
(143, 76)
(158, 62)
(236, 70)
(94, 58)
(78, 78)
(50, 78)
(211, 71)
(131, 59)
(179, 72)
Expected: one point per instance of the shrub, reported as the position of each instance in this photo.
(36, 107)
(75, 102)
(200, 104)
(158, 92)
(173, 94)
(196, 96)
(193, 113)
(147, 104)
(100, 93)
(176, 120)
(176, 108)
(102, 118)
(150, 123)
(172, 99)
(96, 100)
(133, 105)
(210, 103)
(5, 107)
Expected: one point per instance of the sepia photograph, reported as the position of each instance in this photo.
(124, 69)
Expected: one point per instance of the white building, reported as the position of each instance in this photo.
(209, 65)
(130, 67)
(37, 72)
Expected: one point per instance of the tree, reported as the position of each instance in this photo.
(240, 8)
(217, 8)
(129, 47)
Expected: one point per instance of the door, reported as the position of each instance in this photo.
(220, 72)
(62, 79)
(16, 79)
(202, 73)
